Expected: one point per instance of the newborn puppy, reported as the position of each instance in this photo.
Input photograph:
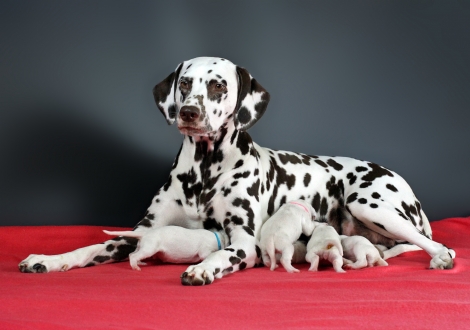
(281, 230)
(174, 244)
(325, 244)
(359, 252)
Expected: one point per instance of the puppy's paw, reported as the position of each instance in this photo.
(39, 263)
(197, 275)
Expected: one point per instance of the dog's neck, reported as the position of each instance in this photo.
(215, 148)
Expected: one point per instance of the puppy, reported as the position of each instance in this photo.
(325, 243)
(174, 244)
(281, 230)
(359, 252)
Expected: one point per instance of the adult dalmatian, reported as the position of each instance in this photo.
(221, 179)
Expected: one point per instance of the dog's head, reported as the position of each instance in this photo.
(206, 92)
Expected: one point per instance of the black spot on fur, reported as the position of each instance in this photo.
(258, 251)
(244, 115)
(101, 259)
(236, 220)
(334, 164)
(241, 254)
(178, 201)
(242, 266)
(249, 230)
(245, 204)
(316, 202)
(374, 206)
(321, 163)
(377, 172)
(242, 175)
(234, 135)
(410, 211)
(375, 195)
(123, 251)
(400, 213)
(227, 270)
(335, 190)
(254, 189)
(323, 207)
(362, 201)
(289, 158)
(352, 178)
(361, 169)
(211, 223)
(109, 247)
(307, 179)
(391, 187)
(235, 260)
(238, 164)
(244, 142)
(351, 198)
(365, 184)
(226, 191)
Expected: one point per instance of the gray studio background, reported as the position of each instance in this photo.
(82, 142)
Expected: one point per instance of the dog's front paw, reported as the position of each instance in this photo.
(443, 260)
(197, 275)
(39, 263)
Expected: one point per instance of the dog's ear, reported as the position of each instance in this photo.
(164, 94)
(252, 100)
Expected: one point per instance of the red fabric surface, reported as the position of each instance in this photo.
(403, 295)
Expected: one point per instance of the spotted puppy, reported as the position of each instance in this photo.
(359, 252)
(325, 244)
(222, 180)
(284, 228)
(173, 244)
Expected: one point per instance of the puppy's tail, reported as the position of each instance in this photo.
(396, 250)
(271, 252)
(331, 242)
(124, 233)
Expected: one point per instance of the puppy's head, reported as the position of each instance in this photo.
(206, 92)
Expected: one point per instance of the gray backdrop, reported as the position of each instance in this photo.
(81, 141)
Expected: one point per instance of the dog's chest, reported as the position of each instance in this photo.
(202, 177)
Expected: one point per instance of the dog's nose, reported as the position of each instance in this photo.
(189, 113)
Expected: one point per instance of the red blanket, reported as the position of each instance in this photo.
(403, 295)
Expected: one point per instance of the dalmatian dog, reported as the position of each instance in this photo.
(222, 180)
(325, 243)
(359, 252)
(282, 230)
(174, 244)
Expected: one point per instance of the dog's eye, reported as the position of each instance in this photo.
(220, 87)
(184, 84)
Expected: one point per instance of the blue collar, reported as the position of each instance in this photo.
(219, 245)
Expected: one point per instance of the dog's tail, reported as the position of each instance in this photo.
(396, 250)
(124, 233)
